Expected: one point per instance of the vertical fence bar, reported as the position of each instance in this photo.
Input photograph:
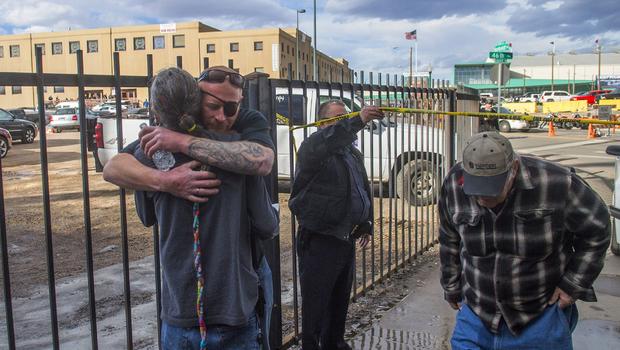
(426, 164)
(123, 205)
(363, 149)
(380, 180)
(86, 202)
(372, 180)
(391, 224)
(51, 281)
(418, 145)
(403, 151)
(156, 258)
(409, 179)
(293, 223)
(434, 161)
(6, 275)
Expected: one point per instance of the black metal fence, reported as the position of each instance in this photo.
(405, 155)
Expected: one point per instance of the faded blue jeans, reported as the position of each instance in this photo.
(218, 337)
(266, 282)
(551, 330)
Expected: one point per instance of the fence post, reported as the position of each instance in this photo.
(450, 133)
(259, 97)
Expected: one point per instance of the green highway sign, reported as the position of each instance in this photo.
(500, 57)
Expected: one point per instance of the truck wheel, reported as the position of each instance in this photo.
(615, 246)
(504, 126)
(416, 182)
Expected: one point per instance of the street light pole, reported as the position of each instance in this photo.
(297, 41)
(314, 51)
(598, 50)
(552, 64)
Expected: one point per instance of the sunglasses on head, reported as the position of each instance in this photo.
(219, 76)
(230, 107)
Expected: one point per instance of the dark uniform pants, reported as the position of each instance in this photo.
(326, 275)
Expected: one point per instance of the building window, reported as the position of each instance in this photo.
(42, 46)
(159, 42)
(16, 90)
(92, 46)
(59, 89)
(205, 63)
(74, 46)
(259, 69)
(282, 47)
(258, 46)
(234, 47)
(287, 49)
(2, 90)
(120, 44)
(231, 64)
(56, 48)
(1, 51)
(14, 50)
(178, 41)
(139, 43)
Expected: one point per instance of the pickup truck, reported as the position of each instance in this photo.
(418, 172)
(105, 136)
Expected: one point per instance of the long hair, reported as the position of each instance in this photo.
(174, 94)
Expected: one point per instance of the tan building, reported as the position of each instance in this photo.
(193, 45)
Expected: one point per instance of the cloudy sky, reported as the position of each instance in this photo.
(369, 33)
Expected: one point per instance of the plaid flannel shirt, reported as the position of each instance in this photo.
(552, 231)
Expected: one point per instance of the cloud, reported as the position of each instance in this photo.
(569, 18)
(412, 10)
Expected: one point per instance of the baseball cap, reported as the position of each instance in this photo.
(487, 159)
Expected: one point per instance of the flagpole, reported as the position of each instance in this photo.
(416, 55)
(410, 66)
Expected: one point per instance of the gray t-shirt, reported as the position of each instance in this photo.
(231, 284)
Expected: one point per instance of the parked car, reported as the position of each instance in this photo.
(67, 118)
(529, 97)
(508, 125)
(6, 142)
(556, 95)
(614, 94)
(28, 114)
(20, 129)
(589, 96)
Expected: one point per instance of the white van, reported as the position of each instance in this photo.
(556, 95)
(417, 165)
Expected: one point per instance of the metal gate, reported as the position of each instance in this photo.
(406, 155)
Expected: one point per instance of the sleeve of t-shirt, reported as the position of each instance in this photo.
(145, 205)
(253, 126)
(131, 148)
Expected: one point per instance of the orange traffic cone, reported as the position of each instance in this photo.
(551, 130)
(591, 132)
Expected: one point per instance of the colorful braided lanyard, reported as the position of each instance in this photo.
(200, 281)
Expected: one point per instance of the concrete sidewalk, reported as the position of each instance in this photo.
(423, 320)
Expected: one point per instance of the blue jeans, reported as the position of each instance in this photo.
(218, 337)
(551, 330)
(266, 282)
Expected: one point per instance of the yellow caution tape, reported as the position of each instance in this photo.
(463, 114)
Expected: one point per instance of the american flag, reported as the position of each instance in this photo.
(411, 35)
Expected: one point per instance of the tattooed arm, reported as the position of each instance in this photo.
(243, 157)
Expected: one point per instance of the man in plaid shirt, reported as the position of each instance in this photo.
(521, 239)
